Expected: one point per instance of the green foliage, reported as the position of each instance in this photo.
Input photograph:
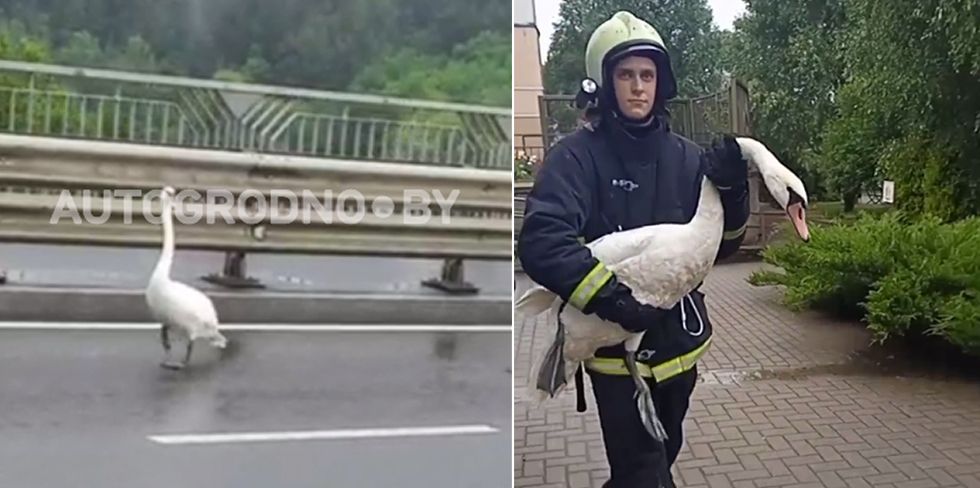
(919, 168)
(289, 42)
(902, 276)
(478, 71)
(789, 53)
(82, 49)
(922, 81)
(256, 68)
(834, 210)
(17, 43)
(857, 91)
(937, 293)
(851, 144)
(837, 268)
(692, 41)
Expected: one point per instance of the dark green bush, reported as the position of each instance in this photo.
(901, 277)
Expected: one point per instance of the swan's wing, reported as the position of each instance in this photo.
(663, 272)
(535, 301)
(193, 307)
(612, 249)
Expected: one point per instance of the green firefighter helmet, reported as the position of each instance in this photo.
(622, 35)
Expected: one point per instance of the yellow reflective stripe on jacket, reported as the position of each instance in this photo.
(734, 234)
(662, 372)
(589, 286)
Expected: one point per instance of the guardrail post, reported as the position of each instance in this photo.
(452, 280)
(3, 277)
(233, 273)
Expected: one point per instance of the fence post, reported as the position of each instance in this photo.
(451, 279)
(233, 273)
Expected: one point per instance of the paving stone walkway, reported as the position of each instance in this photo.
(784, 400)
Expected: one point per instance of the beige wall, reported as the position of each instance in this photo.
(528, 87)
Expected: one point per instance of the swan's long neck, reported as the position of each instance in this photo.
(710, 211)
(710, 214)
(162, 270)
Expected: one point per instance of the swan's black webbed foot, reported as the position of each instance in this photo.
(165, 342)
(165, 338)
(172, 365)
(187, 355)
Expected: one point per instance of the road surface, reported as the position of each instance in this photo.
(87, 408)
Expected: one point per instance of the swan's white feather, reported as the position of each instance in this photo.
(183, 307)
(177, 305)
(661, 263)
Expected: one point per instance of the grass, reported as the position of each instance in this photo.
(826, 211)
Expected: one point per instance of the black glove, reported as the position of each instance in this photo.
(725, 166)
(615, 302)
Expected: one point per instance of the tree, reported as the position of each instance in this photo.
(16, 113)
(136, 55)
(82, 49)
(312, 43)
(478, 71)
(692, 41)
(256, 68)
(913, 89)
(789, 52)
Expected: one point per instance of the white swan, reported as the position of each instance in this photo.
(661, 263)
(179, 307)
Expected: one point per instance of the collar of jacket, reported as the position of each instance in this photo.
(635, 146)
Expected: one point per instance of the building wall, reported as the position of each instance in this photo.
(528, 83)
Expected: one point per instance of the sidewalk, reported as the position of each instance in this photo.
(784, 400)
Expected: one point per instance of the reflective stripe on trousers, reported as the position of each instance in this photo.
(661, 372)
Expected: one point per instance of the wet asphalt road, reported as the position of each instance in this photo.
(113, 267)
(76, 408)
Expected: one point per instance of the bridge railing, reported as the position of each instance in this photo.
(108, 105)
(67, 130)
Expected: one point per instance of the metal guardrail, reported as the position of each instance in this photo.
(521, 190)
(99, 104)
(36, 172)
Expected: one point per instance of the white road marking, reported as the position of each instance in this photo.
(310, 435)
(97, 326)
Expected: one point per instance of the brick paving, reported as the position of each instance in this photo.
(781, 403)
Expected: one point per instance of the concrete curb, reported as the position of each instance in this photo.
(127, 305)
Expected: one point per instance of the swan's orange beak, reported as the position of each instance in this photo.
(797, 214)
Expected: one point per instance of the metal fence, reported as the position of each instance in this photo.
(699, 119)
(107, 105)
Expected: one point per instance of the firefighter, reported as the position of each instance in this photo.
(626, 168)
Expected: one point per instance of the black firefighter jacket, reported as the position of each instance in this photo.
(601, 180)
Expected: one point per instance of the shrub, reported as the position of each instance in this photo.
(937, 293)
(902, 277)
